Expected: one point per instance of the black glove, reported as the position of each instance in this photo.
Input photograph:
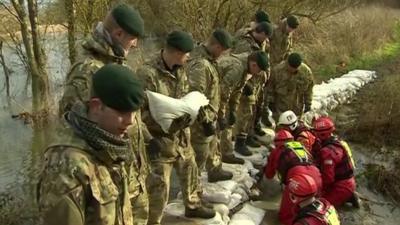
(222, 123)
(209, 129)
(307, 108)
(232, 118)
(154, 148)
(179, 123)
(265, 118)
(247, 90)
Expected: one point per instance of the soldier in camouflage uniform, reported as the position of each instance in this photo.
(165, 74)
(281, 42)
(109, 43)
(253, 40)
(290, 87)
(248, 101)
(203, 77)
(237, 71)
(259, 17)
(91, 171)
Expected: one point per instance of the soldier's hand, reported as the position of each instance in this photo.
(222, 123)
(232, 118)
(154, 148)
(247, 90)
(179, 123)
(209, 128)
(307, 108)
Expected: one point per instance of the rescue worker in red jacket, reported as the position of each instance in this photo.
(289, 158)
(301, 133)
(309, 209)
(336, 164)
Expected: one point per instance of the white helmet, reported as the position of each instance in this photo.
(289, 119)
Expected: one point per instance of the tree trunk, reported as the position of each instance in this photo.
(7, 71)
(70, 8)
(40, 79)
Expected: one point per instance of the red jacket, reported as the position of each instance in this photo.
(335, 166)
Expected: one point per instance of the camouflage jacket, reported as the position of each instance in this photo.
(157, 78)
(203, 77)
(233, 74)
(281, 44)
(245, 43)
(78, 186)
(287, 91)
(94, 53)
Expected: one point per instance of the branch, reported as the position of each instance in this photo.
(10, 11)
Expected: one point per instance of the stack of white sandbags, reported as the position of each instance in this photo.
(329, 95)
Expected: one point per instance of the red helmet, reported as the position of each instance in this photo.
(324, 127)
(282, 136)
(302, 185)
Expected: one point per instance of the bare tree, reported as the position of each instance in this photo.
(70, 8)
(25, 13)
(6, 69)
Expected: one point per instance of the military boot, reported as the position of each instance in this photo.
(232, 159)
(251, 141)
(240, 146)
(200, 212)
(355, 200)
(219, 175)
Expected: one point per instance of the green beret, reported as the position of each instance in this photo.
(295, 60)
(223, 37)
(261, 16)
(262, 60)
(264, 27)
(118, 87)
(180, 40)
(128, 19)
(292, 22)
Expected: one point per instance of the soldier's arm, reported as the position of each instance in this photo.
(197, 76)
(242, 46)
(308, 95)
(61, 193)
(77, 85)
(230, 79)
(270, 89)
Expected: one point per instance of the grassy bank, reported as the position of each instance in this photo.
(355, 39)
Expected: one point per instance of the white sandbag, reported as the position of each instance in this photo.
(177, 209)
(268, 138)
(223, 210)
(214, 193)
(256, 158)
(236, 199)
(165, 109)
(249, 215)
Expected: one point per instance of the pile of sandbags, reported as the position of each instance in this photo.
(330, 94)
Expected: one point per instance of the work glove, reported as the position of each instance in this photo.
(232, 118)
(307, 108)
(209, 128)
(222, 123)
(154, 148)
(247, 90)
(179, 123)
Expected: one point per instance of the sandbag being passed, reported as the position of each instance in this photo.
(165, 109)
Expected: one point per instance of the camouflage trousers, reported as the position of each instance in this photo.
(208, 153)
(158, 185)
(226, 141)
(245, 118)
(140, 209)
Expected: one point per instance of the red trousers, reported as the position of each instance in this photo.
(340, 192)
(286, 211)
